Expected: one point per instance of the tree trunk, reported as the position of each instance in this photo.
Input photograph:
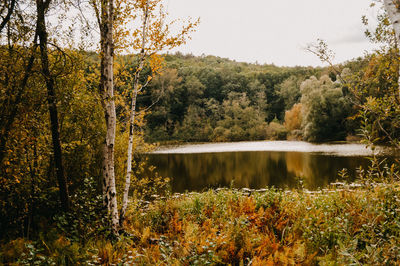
(52, 102)
(132, 118)
(129, 157)
(8, 117)
(392, 8)
(10, 10)
(107, 90)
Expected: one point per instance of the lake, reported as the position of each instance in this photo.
(258, 164)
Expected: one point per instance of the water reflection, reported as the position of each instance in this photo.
(256, 169)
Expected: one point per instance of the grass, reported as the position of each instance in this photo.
(275, 227)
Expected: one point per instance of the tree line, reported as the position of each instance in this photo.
(214, 99)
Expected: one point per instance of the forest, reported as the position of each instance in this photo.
(78, 116)
(232, 101)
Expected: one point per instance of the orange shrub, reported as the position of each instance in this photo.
(293, 118)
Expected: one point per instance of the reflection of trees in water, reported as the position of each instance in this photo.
(321, 170)
(250, 169)
(295, 162)
(318, 171)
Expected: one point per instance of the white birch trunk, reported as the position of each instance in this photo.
(129, 157)
(132, 119)
(107, 87)
(392, 8)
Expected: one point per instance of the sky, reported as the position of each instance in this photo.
(275, 31)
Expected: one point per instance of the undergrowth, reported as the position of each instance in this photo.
(360, 226)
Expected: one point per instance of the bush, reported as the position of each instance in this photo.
(276, 131)
(293, 118)
(324, 109)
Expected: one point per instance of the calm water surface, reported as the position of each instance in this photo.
(257, 164)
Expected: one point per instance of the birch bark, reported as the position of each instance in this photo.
(107, 90)
(132, 117)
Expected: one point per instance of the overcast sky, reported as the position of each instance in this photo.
(274, 31)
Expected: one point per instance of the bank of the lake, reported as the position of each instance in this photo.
(346, 225)
(329, 148)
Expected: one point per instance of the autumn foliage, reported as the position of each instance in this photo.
(228, 226)
(293, 118)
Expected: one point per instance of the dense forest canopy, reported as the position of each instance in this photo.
(214, 99)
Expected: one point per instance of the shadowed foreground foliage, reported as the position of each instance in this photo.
(272, 227)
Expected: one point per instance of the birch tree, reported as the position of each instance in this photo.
(105, 17)
(132, 115)
(153, 37)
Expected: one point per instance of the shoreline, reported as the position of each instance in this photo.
(328, 148)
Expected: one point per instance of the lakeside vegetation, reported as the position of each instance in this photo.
(345, 226)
